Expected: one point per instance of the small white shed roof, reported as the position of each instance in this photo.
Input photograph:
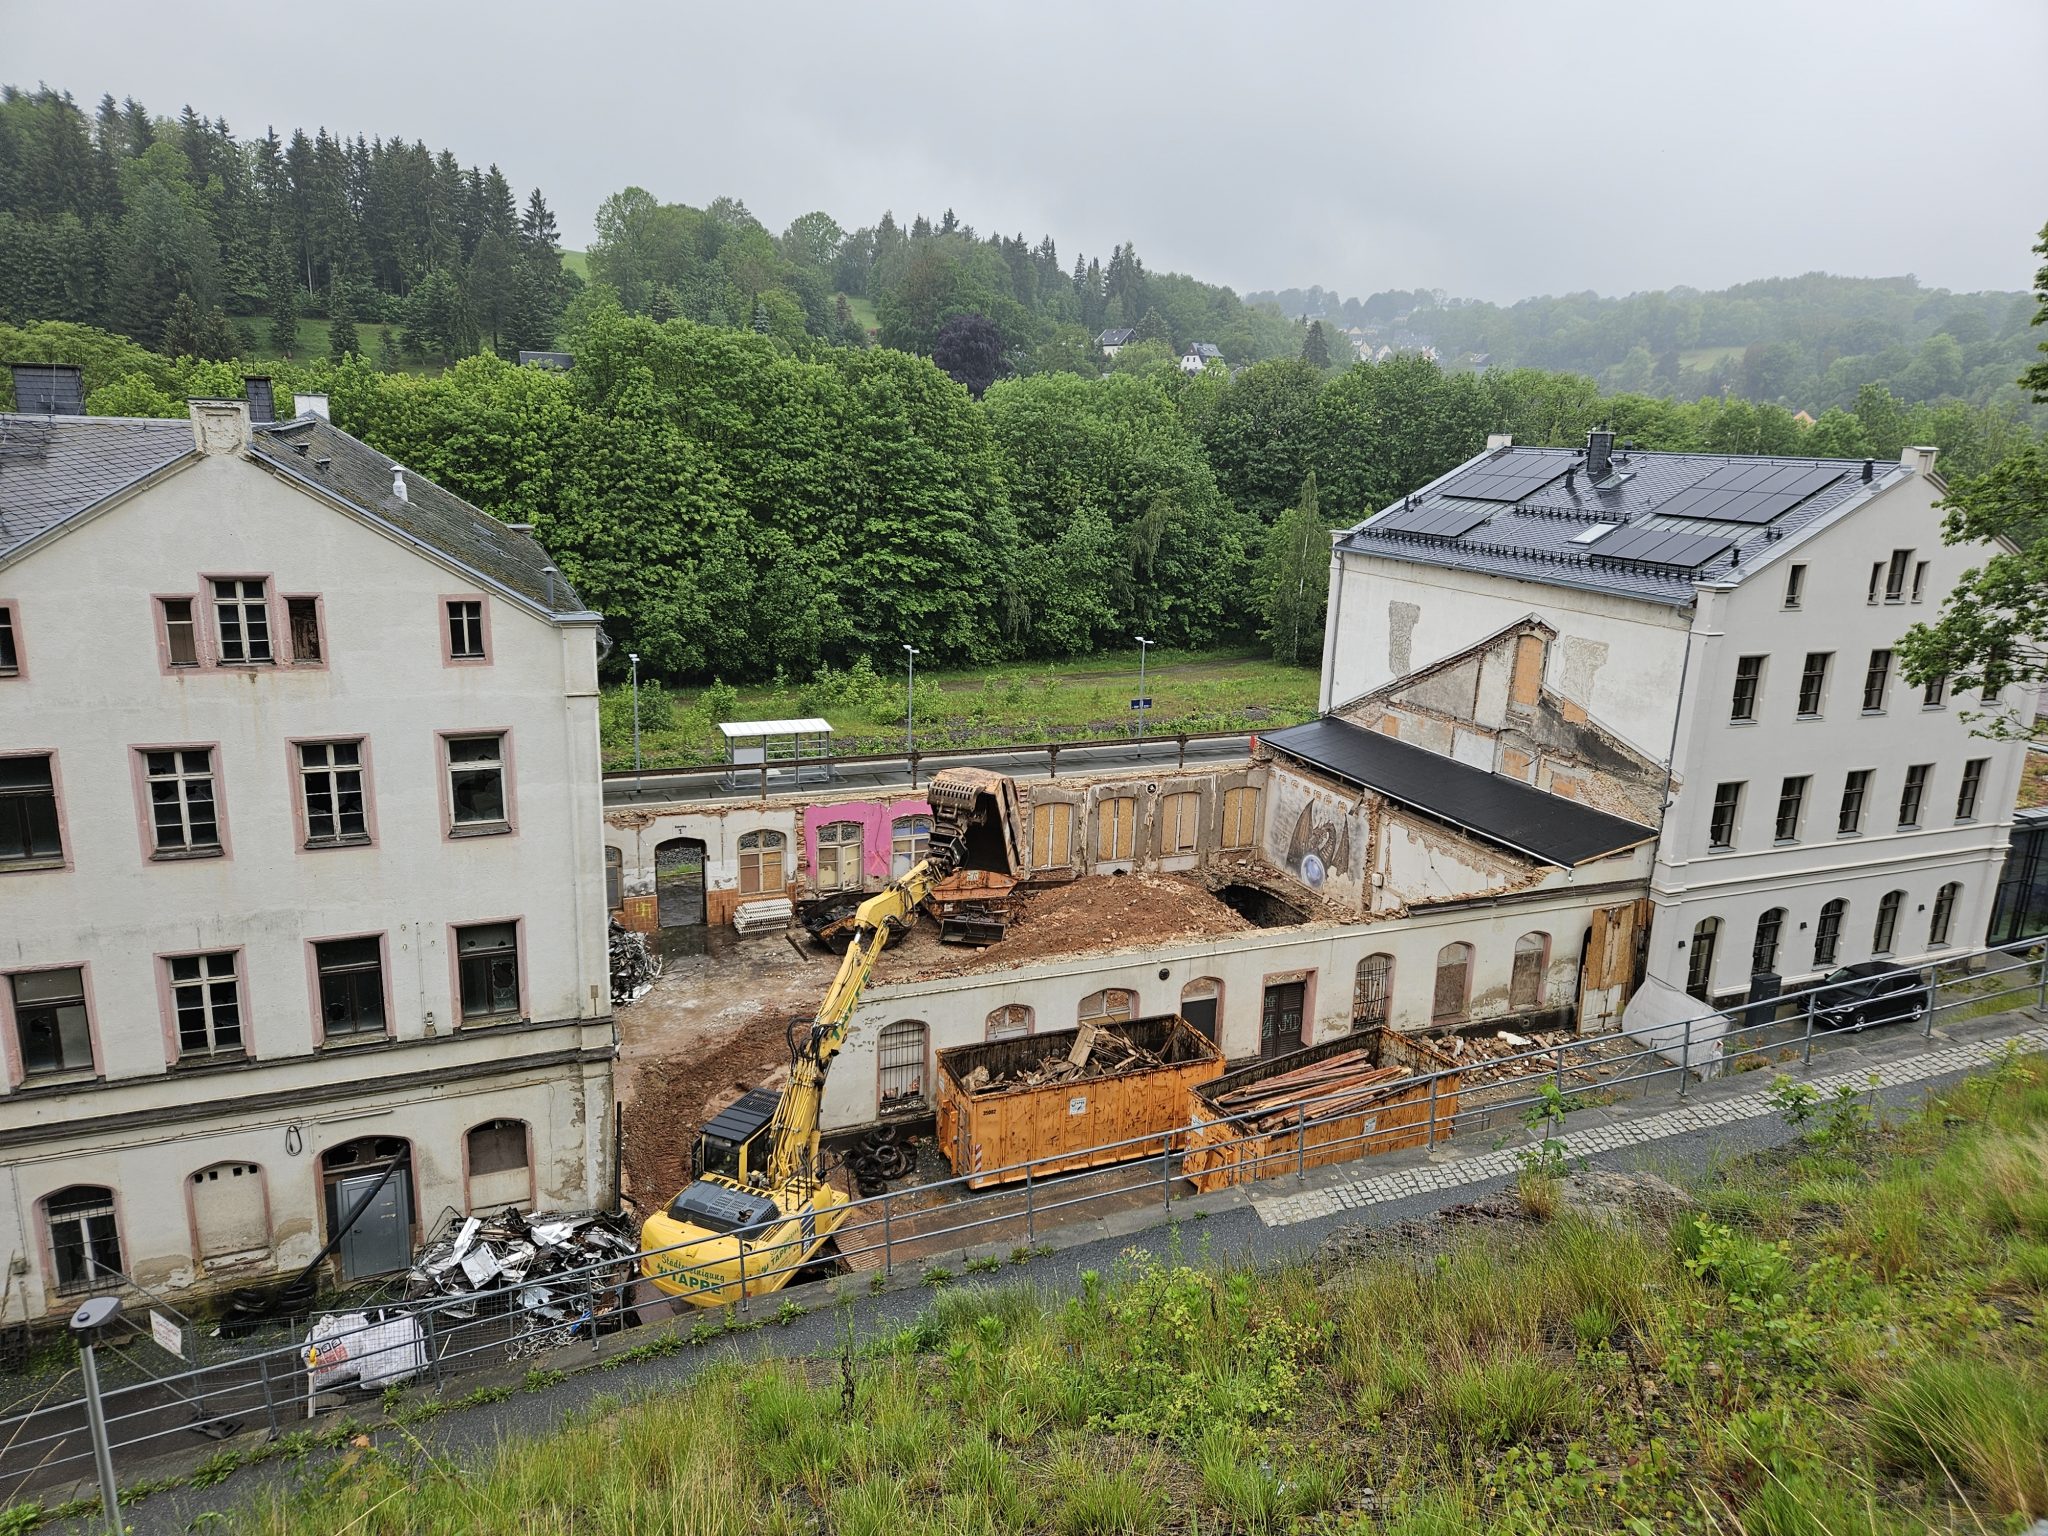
(750, 730)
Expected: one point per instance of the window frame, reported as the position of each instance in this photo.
(172, 667)
(919, 1099)
(470, 1172)
(62, 858)
(1877, 675)
(780, 848)
(1775, 917)
(838, 842)
(908, 849)
(1241, 805)
(1913, 794)
(317, 662)
(1856, 783)
(1699, 975)
(443, 607)
(1876, 581)
(1516, 970)
(450, 828)
(614, 878)
(1813, 684)
(1934, 693)
(1898, 569)
(1360, 1003)
(1970, 789)
(1437, 1013)
(11, 639)
(302, 815)
(175, 1055)
(1941, 921)
(217, 640)
(1884, 929)
(1122, 833)
(1920, 580)
(1180, 816)
(16, 1062)
(1792, 790)
(1008, 1012)
(145, 801)
(351, 1039)
(458, 1013)
(1748, 688)
(1104, 1015)
(1795, 587)
(1828, 925)
(1728, 799)
(1051, 811)
(46, 1234)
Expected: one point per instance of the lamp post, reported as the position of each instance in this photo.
(86, 1323)
(1144, 703)
(634, 657)
(910, 704)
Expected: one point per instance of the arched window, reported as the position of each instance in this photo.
(1525, 982)
(1884, 934)
(1112, 1005)
(614, 878)
(1375, 979)
(761, 867)
(1763, 949)
(1201, 1001)
(910, 840)
(1945, 901)
(1827, 933)
(900, 1065)
(839, 856)
(499, 1164)
(230, 1213)
(84, 1242)
(1453, 982)
(1699, 961)
(1009, 1022)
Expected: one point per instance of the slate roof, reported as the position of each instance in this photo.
(1115, 338)
(53, 468)
(1534, 538)
(1501, 810)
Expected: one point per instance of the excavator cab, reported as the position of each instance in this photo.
(735, 1143)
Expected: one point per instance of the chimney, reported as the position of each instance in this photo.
(48, 389)
(1599, 454)
(398, 484)
(1499, 440)
(262, 402)
(1919, 460)
(1869, 470)
(310, 405)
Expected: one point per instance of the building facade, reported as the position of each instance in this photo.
(301, 858)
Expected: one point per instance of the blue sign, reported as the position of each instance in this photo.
(1141, 703)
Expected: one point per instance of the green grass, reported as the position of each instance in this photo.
(863, 312)
(1080, 698)
(1755, 1371)
(577, 262)
(1704, 358)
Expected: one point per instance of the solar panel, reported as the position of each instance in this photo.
(1750, 493)
(1505, 479)
(1673, 547)
(1434, 520)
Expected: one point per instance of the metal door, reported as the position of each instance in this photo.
(1280, 1020)
(679, 883)
(381, 1239)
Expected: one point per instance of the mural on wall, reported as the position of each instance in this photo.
(1308, 834)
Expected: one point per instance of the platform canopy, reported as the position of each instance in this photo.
(748, 730)
(756, 743)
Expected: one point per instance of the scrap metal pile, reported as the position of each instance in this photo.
(635, 965)
(1332, 1087)
(553, 1269)
(1097, 1052)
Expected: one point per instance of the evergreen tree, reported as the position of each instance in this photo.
(1154, 328)
(1315, 346)
(181, 329)
(341, 328)
(216, 338)
(284, 301)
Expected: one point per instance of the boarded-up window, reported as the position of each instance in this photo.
(761, 864)
(228, 1209)
(1116, 818)
(839, 856)
(499, 1174)
(614, 879)
(1180, 824)
(1240, 817)
(1112, 1005)
(1453, 982)
(1525, 984)
(1009, 1021)
(1052, 835)
(1369, 991)
(900, 1065)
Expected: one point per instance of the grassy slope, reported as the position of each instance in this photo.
(577, 262)
(864, 312)
(1846, 1341)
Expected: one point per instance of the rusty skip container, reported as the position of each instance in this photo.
(989, 1128)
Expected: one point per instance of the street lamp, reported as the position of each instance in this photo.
(87, 1322)
(634, 657)
(910, 704)
(1144, 703)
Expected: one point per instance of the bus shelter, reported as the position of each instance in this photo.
(801, 748)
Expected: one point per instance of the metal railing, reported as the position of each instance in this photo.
(434, 1339)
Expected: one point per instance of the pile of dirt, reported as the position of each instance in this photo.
(675, 1096)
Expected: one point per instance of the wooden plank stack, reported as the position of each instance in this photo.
(1335, 1085)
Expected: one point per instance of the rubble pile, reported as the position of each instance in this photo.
(1096, 1052)
(1480, 1056)
(635, 965)
(529, 1261)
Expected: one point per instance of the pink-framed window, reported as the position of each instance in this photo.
(179, 647)
(332, 804)
(488, 964)
(497, 1165)
(13, 649)
(81, 1234)
(51, 1030)
(476, 782)
(242, 625)
(305, 627)
(465, 629)
(205, 1000)
(180, 801)
(350, 975)
(31, 812)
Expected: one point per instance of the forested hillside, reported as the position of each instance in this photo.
(1805, 342)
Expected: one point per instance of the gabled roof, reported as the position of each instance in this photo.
(1115, 338)
(1499, 810)
(53, 468)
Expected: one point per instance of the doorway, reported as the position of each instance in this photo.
(1199, 1000)
(361, 1181)
(679, 883)
(1280, 1018)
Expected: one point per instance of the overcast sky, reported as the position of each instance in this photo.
(1495, 150)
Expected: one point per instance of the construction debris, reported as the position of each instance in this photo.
(1096, 1052)
(530, 1257)
(635, 965)
(372, 1352)
(1330, 1087)
(1504, 1055)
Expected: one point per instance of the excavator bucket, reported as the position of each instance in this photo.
(977, 814)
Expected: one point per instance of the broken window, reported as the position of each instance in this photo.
(181, 631)
(241, 617)
(1180, 824)
(1052, 835)
(466, 629)
(51, 1026)
(1112, 1005)
(206, 1005)
(28, 812)
(910, 843)
(84, 1244)
(839, 856)
(1966, 793)
(1914, 792)
(303, 616)
(331, 783)
(1453, 976)
(1827, 933)
(1525, 982)
(614, 879)
(1116, 820)
(351, 975)
(1763, 949)
(10, 643)
(900, 1066)
(1009, 1021)
(183, 813)
(1944, 914)
(1699, 965)
(476, 782)
(1240, 817)
(761, 864)
(1885, 932)
(1369, 990)
(487, 960)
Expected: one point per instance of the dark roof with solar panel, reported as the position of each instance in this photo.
(1648, 526)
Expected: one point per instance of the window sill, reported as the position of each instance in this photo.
(29, 866)
(489, 1021)
(1868, 713)
(76, 1077)
(243, 666)
(218, 1061)
(1809, 717)
(1784, 842)
(482, 829)
(313, 844)
(469, 661)
(1742, 719)
(366, 1040)
(1720, 848)
(185, 855)
(1852, 832)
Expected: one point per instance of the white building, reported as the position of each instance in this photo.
(1717, 630)
(301, 860)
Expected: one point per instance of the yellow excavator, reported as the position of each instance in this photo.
(748, 1222)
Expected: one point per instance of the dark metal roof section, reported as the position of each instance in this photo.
(52, 468)
(316, 452)
(48, 389)
(262, 402)
(1500, 810)
(745, 1115)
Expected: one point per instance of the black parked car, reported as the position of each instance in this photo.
(1869, 992)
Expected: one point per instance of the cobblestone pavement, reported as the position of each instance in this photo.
(1450, 1170)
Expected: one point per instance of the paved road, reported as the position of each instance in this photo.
(1079, 757)
(1719, 1122)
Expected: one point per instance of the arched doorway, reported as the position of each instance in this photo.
(369, 1191)
(679, 883)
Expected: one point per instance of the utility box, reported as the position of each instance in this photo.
(1006, 1103)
